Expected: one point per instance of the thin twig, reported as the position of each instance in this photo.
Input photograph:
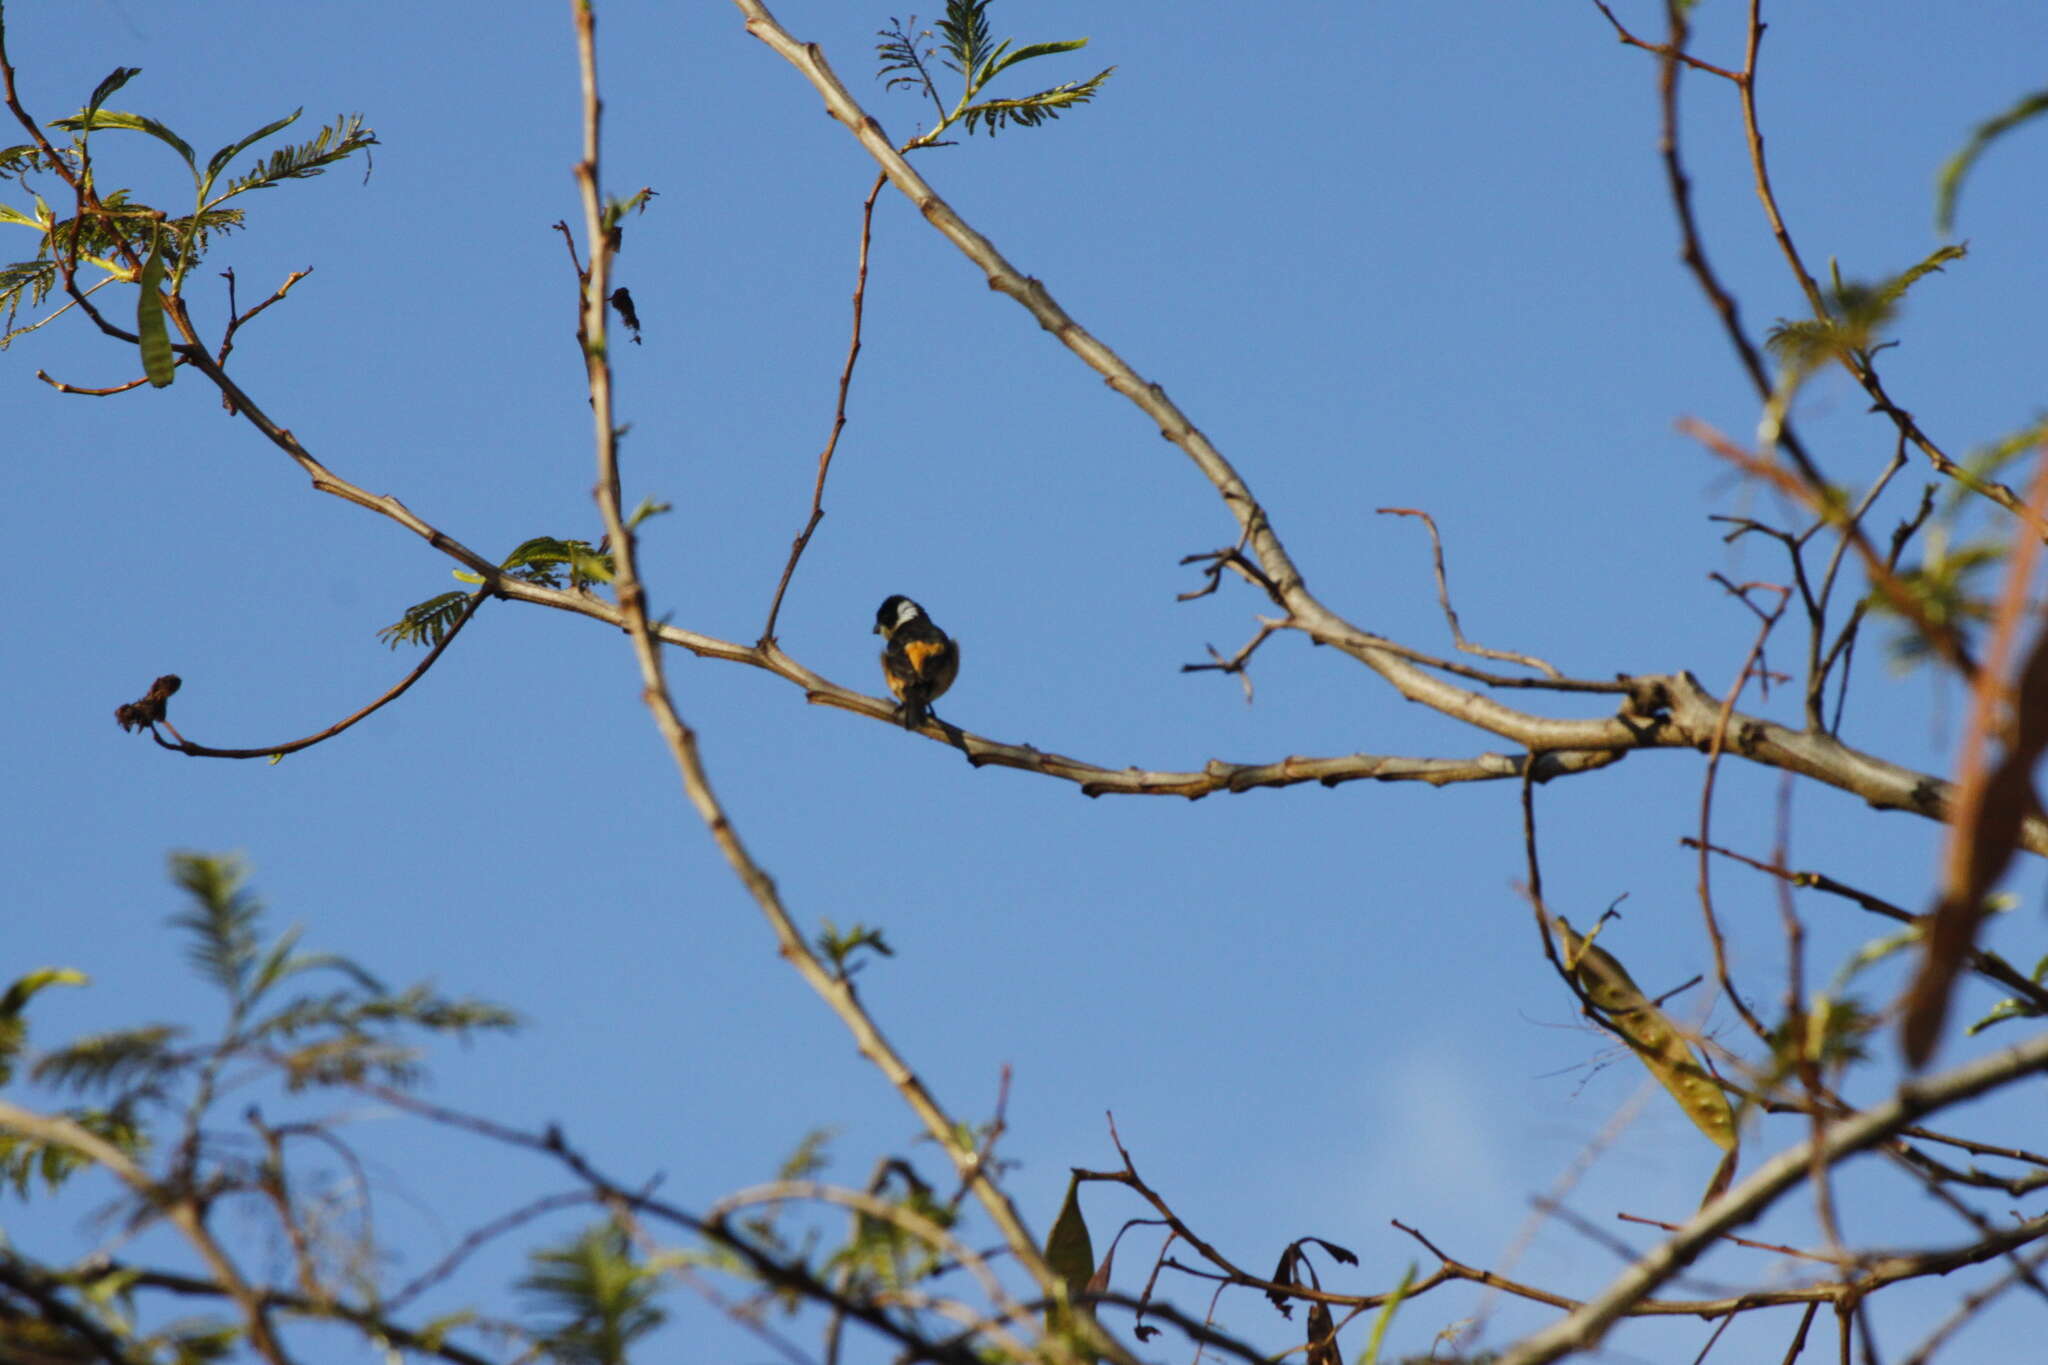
(1443, 597)
(1716, 746)
(236, 321)
(1986, 964)
(61, 387)
(1629, 39)
(860, 293)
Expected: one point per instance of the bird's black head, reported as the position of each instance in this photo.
(895, 611)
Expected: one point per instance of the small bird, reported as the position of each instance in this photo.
(920, 661)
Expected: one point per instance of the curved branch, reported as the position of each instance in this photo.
(187, 747)
(83, 392)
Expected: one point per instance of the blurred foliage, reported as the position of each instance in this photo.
(595, 1299)
(156, 1089)
(1857, 316)
(1946, 589)
(1949, 184)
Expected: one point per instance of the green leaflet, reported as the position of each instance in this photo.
(157, 361)
(1386, 1317)
(116, 78)
(1658, 1042)
(1949, 184)
(14, 1032)
(94, 119)
(999, 63)
(220, 159)
(1070, 1254)
(18, 994)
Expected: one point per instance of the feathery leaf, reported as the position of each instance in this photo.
(598, 1299)
(425, 623)
(335, 142)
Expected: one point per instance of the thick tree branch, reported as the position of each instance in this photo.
(835, 991)
(1668, 712)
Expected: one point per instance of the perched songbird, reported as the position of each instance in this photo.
(920, 661)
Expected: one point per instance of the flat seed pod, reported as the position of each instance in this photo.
(1659, 1042)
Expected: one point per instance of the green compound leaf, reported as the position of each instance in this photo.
(333, 143)
(220, 159)
(428, 622)
(1033, 110)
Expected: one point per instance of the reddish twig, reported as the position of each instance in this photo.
(61, 387)
(1716, 747)
(860, 293)
(1629, 39)
(187, 747)
(1991, 799)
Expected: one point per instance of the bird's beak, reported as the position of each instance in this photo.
(878, 628)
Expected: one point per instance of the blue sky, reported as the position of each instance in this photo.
(1384, 255)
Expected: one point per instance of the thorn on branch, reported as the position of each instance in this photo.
(1236, 663)
(569, 239)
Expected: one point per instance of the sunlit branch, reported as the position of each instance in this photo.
(1586, 1325)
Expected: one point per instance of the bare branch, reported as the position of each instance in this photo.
(860, 294)
(187, 747)
(1443, 597)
